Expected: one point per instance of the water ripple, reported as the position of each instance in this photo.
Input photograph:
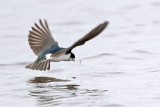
(143, 52)
(18, 63)
(99, 55)
(155, 4)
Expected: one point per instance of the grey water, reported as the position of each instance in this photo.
(119, 68)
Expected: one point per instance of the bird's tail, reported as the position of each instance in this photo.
(42, 66)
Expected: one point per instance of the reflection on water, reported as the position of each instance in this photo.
(48, 93)
(46, 80)
(51, 94)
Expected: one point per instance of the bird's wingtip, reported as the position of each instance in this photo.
(106, 22)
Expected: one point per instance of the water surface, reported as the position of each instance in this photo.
(120, 68)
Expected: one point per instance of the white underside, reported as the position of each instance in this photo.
(63, 57)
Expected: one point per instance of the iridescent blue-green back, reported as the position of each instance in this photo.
(52, 50)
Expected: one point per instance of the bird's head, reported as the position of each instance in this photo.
(72, 57)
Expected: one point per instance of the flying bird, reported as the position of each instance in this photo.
(47, 49)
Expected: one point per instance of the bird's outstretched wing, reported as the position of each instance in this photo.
(93, 33)
(40, 38)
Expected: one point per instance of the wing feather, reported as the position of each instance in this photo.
(92, 34)
(40, 38)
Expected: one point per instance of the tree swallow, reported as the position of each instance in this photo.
(47, 49)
